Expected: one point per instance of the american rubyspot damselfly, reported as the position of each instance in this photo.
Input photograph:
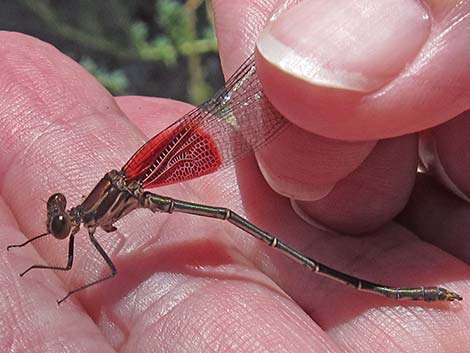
(216, 134)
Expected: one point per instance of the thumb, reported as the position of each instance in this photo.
(366, 70)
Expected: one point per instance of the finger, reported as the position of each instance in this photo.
(298, 164)
(367, 70)
(238, 24)
(445, 154)
(64, 132)
(439, 217)
(372, 194)
(307, 167)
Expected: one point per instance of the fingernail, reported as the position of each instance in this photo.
(355, 45)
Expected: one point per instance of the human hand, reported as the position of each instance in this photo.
(358, 186)
(182, 283)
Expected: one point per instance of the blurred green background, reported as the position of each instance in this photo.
(163, 48)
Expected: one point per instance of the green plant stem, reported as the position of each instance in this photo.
(147, 53)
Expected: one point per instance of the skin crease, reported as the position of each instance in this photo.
(186, 284)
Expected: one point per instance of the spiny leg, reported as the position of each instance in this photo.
(91, 231)
(159, 203)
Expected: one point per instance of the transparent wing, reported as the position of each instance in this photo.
(237, 120)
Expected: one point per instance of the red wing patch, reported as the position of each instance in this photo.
(179, 153)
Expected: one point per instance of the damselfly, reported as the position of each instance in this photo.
(220, 132)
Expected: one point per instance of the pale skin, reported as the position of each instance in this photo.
(192, 285)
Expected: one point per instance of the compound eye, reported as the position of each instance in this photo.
(59, 226)
(56, 202)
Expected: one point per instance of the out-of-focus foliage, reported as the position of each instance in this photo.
(159, 48)
(116, 81)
